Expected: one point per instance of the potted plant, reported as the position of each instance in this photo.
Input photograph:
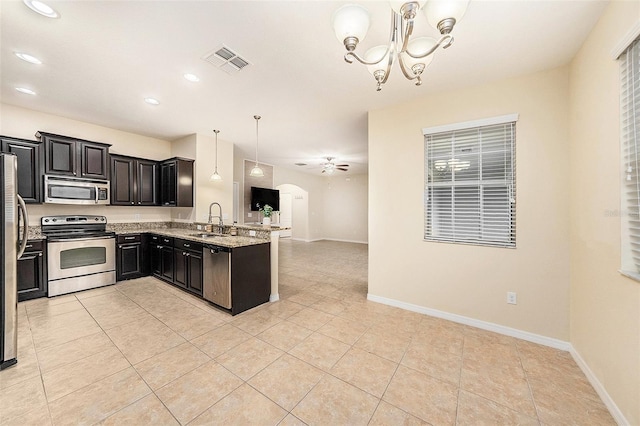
(266, 211)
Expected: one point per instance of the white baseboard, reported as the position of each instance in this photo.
(345, 241)
(274, 297)
(602, 392)
(485, 325)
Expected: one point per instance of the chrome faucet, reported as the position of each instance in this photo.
(220, 223)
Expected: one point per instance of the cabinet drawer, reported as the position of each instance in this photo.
(130, 238)
(187, 245)
(34, 245)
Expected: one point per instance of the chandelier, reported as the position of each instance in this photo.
(351, 23)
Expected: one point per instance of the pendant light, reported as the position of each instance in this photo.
(256, 171)
(215, 176)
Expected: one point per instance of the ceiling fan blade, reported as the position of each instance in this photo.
(343, 169)
(342, 165)
(324, 171)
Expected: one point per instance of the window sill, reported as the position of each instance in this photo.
(633, 275)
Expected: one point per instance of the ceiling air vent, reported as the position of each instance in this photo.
(226, 59)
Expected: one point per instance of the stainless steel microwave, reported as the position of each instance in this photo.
(59, 190)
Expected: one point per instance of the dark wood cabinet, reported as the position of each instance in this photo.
(66, 156)
(130, 257)
(250, 277)
(134, 181)
(94, 160)
(29, 155)
(188, 265)
(176, 182)
(32, 271)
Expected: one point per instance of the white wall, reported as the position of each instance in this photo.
(24, 123)
(314, 185)
(346, 208)
(299, 210)
(473, 281)
(605, 306)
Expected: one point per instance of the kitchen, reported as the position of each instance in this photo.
(306, 95)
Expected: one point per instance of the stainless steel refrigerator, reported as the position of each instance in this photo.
(12, 244)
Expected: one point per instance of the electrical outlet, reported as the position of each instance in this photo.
(136, 216)
(250, 214)
(225, 216)
(512, 298)
(199, 227)
(252, 233)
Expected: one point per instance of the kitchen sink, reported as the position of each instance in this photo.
(208, 235)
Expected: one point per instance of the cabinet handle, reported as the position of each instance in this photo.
(119, 246)
(139, 202)
(187, 245)
(132, 202)
(39, 254)
(129, 238)
(160, 247)
(184, 254)
(28, 246)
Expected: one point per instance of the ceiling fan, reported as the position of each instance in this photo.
(329, 166)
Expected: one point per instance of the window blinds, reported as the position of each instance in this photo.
(470, 185)
(630, 117)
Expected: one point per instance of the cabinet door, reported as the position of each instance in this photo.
(194, 263)
(122, 181)
(184, 183)
(128, 262)
(60, 156)
(93, 160)
(32, 280)
(29, 173)
(180, 264)
(166, 263)
(168, 183)
(147, 183)
(156, 258)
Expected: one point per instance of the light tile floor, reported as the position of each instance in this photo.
(144, 352)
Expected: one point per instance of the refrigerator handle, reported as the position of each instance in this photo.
(25, 229)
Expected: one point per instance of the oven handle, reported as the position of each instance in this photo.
(97, 191)
(60, 240)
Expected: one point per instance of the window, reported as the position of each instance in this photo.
(630, 132)
(470, 192)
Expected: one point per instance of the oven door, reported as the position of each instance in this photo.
(79, 257)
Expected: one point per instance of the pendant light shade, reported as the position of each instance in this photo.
(215, 176)
(256, 171)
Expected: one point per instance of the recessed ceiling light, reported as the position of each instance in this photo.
(25, 91)
(192, 77)
(41, 8)
(152, 101)
(28, 58)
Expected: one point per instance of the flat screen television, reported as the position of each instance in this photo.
(263, 196)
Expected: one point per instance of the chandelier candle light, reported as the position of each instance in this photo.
(256, 171)
(215, 176)
(351, 23)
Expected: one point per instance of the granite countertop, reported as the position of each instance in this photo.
(188, 234)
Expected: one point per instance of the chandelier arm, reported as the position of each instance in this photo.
(408, 75)
(445, 41)
(406, 31)
(349, 56)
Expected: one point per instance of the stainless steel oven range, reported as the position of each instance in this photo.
(81, 253)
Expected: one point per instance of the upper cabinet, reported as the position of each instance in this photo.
(29, 155)
(176, 182)
(65, 156)
(134, 181)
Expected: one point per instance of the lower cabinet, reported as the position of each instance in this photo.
(130, 257)
(187, 257)
(188, 265)
(32, 271)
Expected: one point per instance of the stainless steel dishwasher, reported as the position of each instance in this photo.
(216, 286)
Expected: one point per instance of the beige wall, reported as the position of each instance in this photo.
(24, 123)
(468, 280)
(202, 148)
(605, 306)
(346, 208)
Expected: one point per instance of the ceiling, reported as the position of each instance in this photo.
(102, 58)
